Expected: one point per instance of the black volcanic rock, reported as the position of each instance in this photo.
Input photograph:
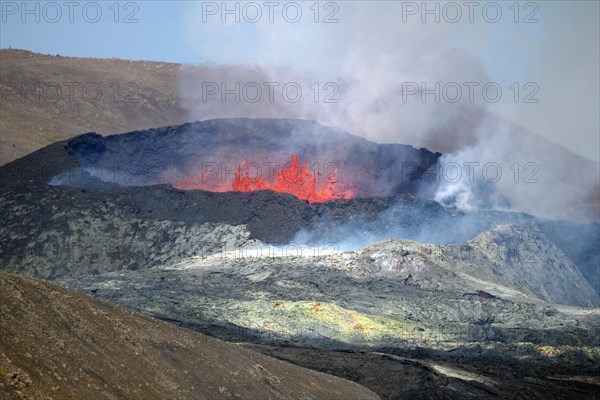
(37, 168)
(87, 203)
(86, 210)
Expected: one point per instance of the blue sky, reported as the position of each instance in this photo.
(559, 52)
(154, 31)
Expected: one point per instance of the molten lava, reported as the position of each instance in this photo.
(295, 178)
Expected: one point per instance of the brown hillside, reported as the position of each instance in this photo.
(130, 95)
(60, 344)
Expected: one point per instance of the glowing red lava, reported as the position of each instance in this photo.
(295, 178)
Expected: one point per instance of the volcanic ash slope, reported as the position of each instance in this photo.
(59, 344)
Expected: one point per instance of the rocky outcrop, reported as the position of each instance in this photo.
(62, 233)
(510, 261)
(396, 294)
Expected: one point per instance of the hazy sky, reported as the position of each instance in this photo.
(550, 49)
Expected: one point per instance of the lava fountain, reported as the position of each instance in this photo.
(295, 178)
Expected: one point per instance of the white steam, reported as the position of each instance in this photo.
(373, 64)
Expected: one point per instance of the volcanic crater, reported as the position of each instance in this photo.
(173, 222)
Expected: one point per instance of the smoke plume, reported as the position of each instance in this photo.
(388, 76)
